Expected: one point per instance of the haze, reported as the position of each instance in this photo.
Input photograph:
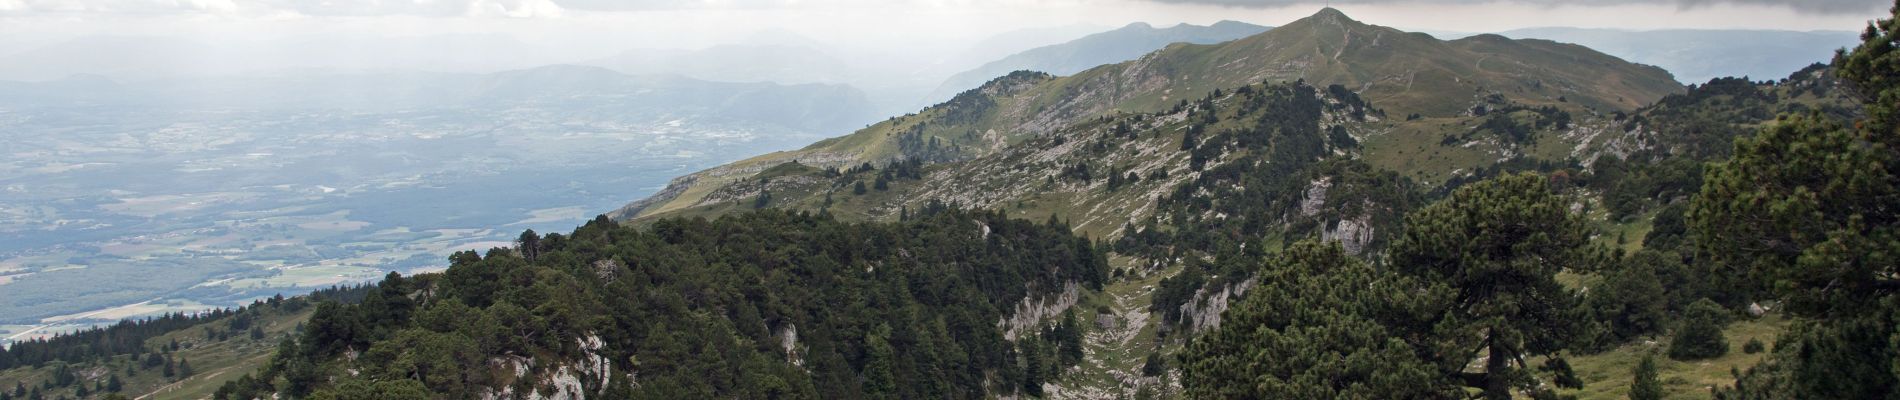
(175, 155)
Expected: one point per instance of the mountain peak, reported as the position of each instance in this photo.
(1331, 15)
(1325, 18)
(1137, 26)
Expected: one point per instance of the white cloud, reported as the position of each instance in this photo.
(1805, 6)
(514, 8)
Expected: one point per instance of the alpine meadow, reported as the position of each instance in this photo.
(1221, 199)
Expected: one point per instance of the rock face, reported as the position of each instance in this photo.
(745, 191)
(1032, 311)
(607, 270)
(1352, 234)
(1315, 196)
(588, 374)
(1203, 312)
(788, 341)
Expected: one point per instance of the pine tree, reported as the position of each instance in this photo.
(1154, 365)
(529, 244)
(1498, 245)
(1645, 385)
(1320, 324)
(880, 381)
(1069, 336)
(1804, 210)
(1700, 336)
(764, 199)
(1032, 367)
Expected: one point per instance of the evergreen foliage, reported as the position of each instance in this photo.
(699, 309)
(1700, 336)
(1498, 245)
(1644, 384)
(1321, 324)
(1804, 210)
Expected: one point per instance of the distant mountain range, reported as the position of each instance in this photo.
(781, 63)
(165, 57)
(1696, 56)
(581, 89)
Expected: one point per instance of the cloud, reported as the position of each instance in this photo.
(426, 8)
(1804, 6)
(638, 5)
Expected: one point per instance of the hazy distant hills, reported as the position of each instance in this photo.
(735, 63)
(153, 57)
(580, 90)
(1695, 56)
(1005, 44)
(1123, 44)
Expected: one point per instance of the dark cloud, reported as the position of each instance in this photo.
(1805, 6)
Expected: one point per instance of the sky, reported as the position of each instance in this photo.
(691, 20)
(571, 30)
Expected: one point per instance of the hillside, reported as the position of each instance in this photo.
(1403, 73)
(1253, 168)
(1331, 236)
(770, 303)
(1122, 44)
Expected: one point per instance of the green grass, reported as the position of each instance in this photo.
(1629, 234)
(1607, 376)
(213, 362)
(1415, 149)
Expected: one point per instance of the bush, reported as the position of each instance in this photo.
(1700, 336)
(1154, 366)
(1644, 385)
(1753, 346)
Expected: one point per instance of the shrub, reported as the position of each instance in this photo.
(1700, 336)
(1753, 346)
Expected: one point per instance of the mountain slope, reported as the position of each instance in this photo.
(1403, 73)
(1123, 44)
(1192, 199)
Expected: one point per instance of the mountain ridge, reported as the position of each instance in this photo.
(1403, 73)
(1120, 44)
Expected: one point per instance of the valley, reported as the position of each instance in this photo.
(182, 209)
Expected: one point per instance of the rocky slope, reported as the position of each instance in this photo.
(1419, 83)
